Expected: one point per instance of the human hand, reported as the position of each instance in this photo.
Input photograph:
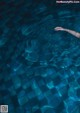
(58, 29)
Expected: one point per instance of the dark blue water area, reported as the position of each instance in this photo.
(39, 67)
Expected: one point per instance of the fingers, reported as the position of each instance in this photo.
(58, 28)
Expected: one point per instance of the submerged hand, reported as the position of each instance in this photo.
(58, 29)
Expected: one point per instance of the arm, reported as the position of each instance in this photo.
(74, 33)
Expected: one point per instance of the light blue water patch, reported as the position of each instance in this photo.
(40, 8)
(66, 62)
(26, 30)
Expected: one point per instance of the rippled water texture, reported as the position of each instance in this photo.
(39, 67)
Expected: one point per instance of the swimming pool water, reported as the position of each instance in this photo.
(39, 67)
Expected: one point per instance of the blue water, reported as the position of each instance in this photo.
(39, 67)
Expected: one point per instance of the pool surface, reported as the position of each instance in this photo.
(39, 67)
